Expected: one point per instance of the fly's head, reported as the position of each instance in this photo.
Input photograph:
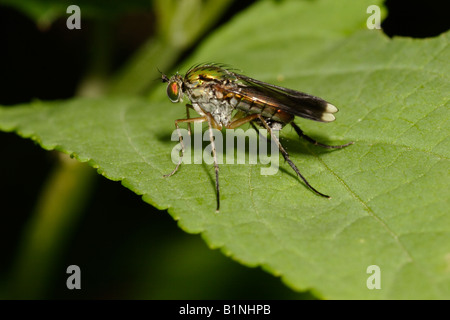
(174, 87)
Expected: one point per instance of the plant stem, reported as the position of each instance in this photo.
(67, 189)
(63, 197)
(62, 200)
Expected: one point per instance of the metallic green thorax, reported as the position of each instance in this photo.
(198, 76)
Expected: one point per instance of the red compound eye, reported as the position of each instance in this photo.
(173, 91)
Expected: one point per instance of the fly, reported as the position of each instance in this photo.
(224, 98)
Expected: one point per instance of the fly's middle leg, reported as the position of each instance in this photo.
(188, 116)
(212, 123)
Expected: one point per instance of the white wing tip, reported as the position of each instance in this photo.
(327, 117)
(331, 108)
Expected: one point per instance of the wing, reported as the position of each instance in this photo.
(291, 101)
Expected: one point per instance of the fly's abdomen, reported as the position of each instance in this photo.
(251, 106)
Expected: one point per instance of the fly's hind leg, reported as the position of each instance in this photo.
(311, 140)
(256, 116)
(286, 156)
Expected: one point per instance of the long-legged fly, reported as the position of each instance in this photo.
(224, 98)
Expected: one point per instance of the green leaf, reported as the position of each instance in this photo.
(389, 191)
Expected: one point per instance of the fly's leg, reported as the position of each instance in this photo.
(199, 119)
(256, 129)
(212, 123)
(255, 116)
(241, 121)
(188, 116)
(311, 140)
(286, 156)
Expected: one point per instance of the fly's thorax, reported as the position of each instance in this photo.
(221, 110)
(206, 98)
(204, 74)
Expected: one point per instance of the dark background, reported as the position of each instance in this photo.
(35, 69)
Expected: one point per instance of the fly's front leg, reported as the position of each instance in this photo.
(211, 124)
(199, 119)
(311, 140)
